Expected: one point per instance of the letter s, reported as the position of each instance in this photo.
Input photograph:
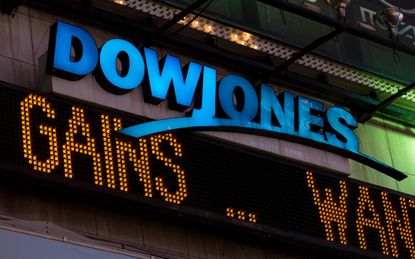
(343, 123)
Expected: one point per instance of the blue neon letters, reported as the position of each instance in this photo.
(132, 72)
(156, 88)
(233, 104)
(248, 99)
(239, 104)
(63, 37)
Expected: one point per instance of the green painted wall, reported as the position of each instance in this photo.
(391, 144)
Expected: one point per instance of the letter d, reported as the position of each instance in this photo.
(64, 37)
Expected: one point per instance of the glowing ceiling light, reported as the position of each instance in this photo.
(234, 37)
(246, 36)
(208, 28)
(253, 46)
(194, 24)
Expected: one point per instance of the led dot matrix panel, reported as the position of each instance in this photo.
(79, 145)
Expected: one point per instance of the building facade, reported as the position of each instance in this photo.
(205, 129)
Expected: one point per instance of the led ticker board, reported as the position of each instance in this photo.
(77, 145)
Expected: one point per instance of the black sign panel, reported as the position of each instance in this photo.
(77, 145)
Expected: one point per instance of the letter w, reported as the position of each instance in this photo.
(331, 211)
(157, 86)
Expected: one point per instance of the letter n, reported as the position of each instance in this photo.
(396, 225)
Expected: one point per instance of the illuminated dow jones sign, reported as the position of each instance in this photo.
(259, 110)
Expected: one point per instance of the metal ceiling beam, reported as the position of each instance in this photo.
(304, 51)
(322, 19)
(196, 4)
(385, 103)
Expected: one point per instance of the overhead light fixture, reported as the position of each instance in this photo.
(389, 19)
(340, 6)
(194, 24)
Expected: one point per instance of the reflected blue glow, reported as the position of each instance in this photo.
(159, 126)
(108, 64)
(62, 55)
(172, 74)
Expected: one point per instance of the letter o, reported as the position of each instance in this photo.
(132, 62)
(227, 87)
